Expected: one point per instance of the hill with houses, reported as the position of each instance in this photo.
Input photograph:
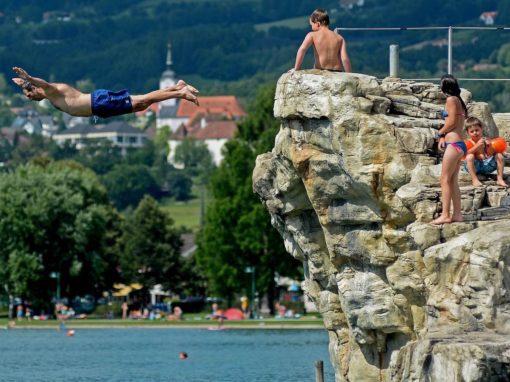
(230, 47)
(146, 45)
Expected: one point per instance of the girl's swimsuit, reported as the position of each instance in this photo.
(445, 114)
(459, 146)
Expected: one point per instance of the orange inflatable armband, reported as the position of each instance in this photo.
(499, 144)
(469, 144)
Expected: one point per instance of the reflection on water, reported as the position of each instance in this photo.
(153, 355)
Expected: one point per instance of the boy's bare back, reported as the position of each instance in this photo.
(329, 48)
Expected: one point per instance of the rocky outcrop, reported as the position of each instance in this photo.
(351, 185)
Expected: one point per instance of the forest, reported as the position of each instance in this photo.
(224, 48)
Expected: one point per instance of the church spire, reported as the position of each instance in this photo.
(169, 62)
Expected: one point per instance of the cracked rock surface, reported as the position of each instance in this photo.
(351, 184)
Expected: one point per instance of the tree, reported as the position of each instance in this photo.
(503, 12)
(100, 156)
(56, 218)
(194, 156)
(237, 231)
(179, 185)
(127, 184)
(27, 148)
(161, 140)
(5, 150)
(151, 248)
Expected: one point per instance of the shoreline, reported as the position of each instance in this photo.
(162, 326)
(185, 324)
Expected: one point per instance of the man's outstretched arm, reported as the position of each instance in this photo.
(39, 82)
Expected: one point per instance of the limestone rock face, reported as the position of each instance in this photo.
(351, 183)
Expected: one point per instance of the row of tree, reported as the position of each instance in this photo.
(127, 178)
(56, 219)
(59, 216)
(237, 233)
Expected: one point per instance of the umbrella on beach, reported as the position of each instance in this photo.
(233, 314)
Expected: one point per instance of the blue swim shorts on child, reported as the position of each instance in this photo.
(486, 166)
(107, 103)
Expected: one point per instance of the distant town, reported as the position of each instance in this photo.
(213, 123)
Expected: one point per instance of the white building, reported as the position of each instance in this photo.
(488, 17)
(210, 129)
(119, 133)
(32, 122)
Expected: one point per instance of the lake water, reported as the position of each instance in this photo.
(126, 355)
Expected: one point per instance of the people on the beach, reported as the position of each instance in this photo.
(19, 312)
(101, 103)
(176, 315)
(482, 158)
(244, 306)
(452, 143)
(125, 309)
(217, 314)
(329, 48)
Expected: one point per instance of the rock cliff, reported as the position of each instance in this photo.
(351, 184)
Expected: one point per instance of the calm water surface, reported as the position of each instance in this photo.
(153, 355)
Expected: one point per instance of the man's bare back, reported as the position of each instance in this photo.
(74, 102)
(329, 48)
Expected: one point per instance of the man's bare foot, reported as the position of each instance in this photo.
(180, 84)
(441, 220)
(188, 95)
(21, 73)
(477, 183)
(502, 183)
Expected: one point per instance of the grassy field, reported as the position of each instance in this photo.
(292, 23)
(306, 322)
(185, 214)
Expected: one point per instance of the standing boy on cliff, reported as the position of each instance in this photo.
(329, 48)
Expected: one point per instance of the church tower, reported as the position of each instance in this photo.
(168, 76)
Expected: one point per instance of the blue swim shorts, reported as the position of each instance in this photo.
(106, 103)
(486, 166)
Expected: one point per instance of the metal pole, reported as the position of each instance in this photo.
(253, 292)
(319, 371)
(394, 60)
(58, 287)
(11, 306)
(450, 30)
(202, 205)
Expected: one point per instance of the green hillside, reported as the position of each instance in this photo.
(232, 46)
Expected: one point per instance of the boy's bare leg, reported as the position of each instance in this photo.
(500, 161)
(470, 164)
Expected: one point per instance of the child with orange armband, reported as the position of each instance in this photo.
(482, 158)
